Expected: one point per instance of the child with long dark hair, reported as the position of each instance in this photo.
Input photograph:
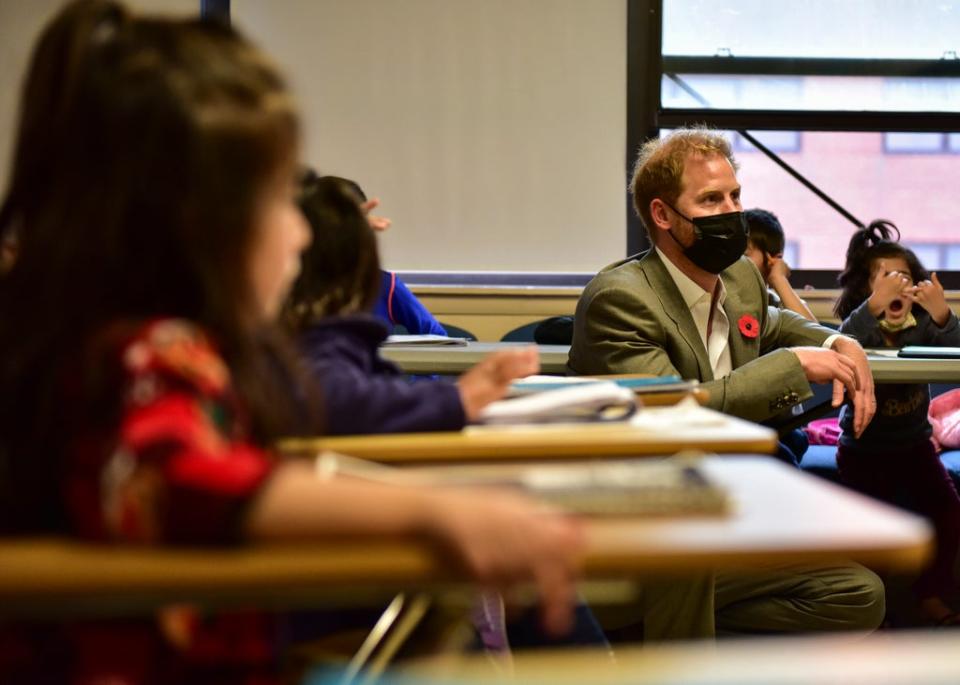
(142, 381)
(332, 309)
(396, 304)
(889, 300)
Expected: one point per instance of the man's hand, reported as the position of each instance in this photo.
(864, 400)
(846, 366)
(824, 366)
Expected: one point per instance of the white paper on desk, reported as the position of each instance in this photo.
(424, 339)
(685, 414)
(587, 402)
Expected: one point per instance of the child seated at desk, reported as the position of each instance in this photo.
(330, 307)
(889, 300)
(144, 411)
(765, 249)
(396, 305)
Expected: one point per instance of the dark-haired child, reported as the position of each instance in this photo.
(889, 300)
(765, 246)
(146, 410)
(396, 304)
(331, 307)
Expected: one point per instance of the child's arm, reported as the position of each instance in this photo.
(780, 282)
(930, 296)
(489, 379)
(498, 538)
(182, 472)
(409, 311)
(357, 401)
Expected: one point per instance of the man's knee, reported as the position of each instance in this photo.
(859, 599)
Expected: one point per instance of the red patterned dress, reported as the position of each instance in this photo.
(172, 465)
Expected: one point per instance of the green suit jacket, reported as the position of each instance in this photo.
(631, 318)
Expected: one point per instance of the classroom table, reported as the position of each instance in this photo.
(455, 359)
(884, 658)
(553, 359)
(652, 431)
(780, 515)
(888, 368)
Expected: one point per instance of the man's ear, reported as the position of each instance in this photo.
(659, 214)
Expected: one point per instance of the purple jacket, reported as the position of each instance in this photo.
(364, 393)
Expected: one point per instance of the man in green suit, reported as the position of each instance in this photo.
(652, 313)
(695, 307)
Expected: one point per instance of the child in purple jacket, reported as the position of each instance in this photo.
(331, 308)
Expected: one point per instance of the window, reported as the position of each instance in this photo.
(930, 254)
(777, 141)
(864, 180)
(791, 253)
(921, 143)
(825, 29)
(936, 256)
(855, 105)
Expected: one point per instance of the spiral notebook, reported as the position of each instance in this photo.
(654, 487)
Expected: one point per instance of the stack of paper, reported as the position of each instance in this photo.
(424, 339)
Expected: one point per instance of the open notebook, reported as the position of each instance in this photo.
(923, 352)
(671, 486)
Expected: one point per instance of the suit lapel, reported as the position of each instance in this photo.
(742, 349)
(674, 306)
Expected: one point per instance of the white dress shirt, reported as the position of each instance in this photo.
(698, 301)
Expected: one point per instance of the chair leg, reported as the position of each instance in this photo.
(395, 625)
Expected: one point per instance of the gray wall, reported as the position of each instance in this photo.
(20, 24)
(492, 130)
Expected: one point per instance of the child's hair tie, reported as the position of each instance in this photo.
(881, 230)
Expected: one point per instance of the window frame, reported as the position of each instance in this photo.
(646, 67)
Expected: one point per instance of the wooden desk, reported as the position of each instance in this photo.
(888, 369)
(553, 359)
(455, 359)
(890, 658)
(651, 432)
(780, 515)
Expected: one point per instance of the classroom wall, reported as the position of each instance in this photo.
(20, 24)
(493, 131)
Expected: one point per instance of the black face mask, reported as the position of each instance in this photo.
(719, 240)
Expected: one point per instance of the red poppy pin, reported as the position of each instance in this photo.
(749, 327)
